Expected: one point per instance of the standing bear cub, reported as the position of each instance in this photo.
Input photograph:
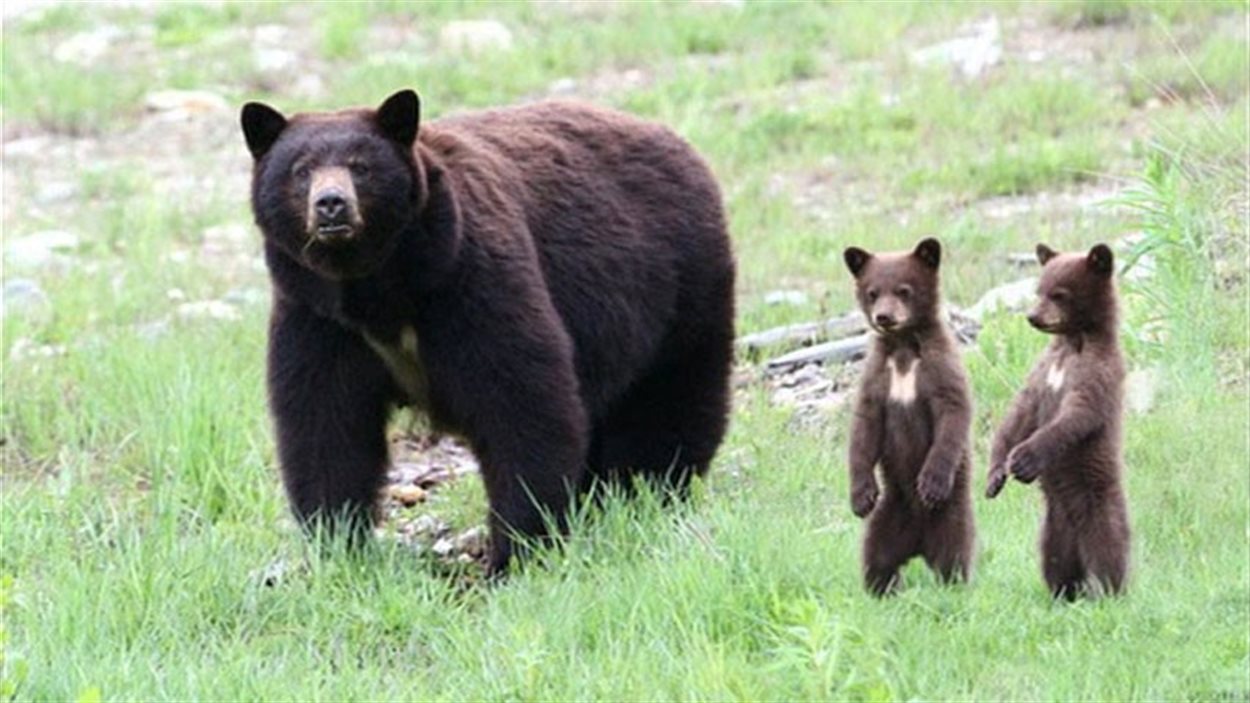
(912, 416)
(1065, 425)
(554, 283)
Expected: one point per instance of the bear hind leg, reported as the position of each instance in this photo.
(668, 426)
(1062, 566)
(891, 538)
(949, 542)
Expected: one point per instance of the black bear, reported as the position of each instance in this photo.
(1064, 426)
(912, 416)
(553, 282)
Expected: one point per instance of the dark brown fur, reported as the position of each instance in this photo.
(567, 277)
(1064, 426)
(925, 506)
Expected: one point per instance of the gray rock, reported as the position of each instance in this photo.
(58, 192)
(835, 352)
(40, 249)
(805, 333)
(24, 298)
(1014, 297)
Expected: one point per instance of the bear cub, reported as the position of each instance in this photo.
(1064, 426)
(552, 282)
(912, 416)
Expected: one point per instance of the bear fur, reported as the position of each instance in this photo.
(1065, 425)
(553, 283)
(912, 416)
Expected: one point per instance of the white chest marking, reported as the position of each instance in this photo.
(1054, 377)
(902, 385)
(403, 362)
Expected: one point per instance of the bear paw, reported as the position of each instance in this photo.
(863, 498)
(1024, 463)
(934, 487)
(997, 479)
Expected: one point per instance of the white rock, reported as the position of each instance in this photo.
(274, 60)
(971, 55)
(1139, 390)
(785, 297)
(474, 37)
(443, 547)
(1014, 297)
(208, 310)
(40, 249)
(27, 146)
(562, 86)
(186, 102)
(86, 48)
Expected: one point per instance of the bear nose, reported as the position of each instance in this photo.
(884, 320)
(331, 206)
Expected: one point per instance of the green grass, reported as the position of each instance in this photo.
(138, 492)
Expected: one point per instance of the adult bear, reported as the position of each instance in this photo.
(552, 282)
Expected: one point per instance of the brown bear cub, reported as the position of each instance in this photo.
(912, 416)
(1065, 425)
(551, 282)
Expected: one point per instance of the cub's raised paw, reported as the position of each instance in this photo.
(934, 487)
(1024, 463)
(997, 479)
(863, 498)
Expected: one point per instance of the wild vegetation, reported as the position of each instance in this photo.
(140, 500)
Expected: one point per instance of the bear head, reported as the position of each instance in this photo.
(1076, 293)
(335, 190)
(897, 291)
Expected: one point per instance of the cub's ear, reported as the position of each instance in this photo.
(1044, 254)
(1101, 260)
(930, 252)
(855, 259)
(399, 116)
(261, 127)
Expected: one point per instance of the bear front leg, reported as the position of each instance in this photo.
(867, 435)
(1076, 420)
(1018, 425)
(953, 419)
(328, 396)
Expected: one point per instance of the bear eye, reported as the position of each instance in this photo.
(903, 292)
(1058, 296)
(872, 295)
(300, 170)
(358, 168)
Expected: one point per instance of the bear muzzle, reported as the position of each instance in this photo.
(333, 211)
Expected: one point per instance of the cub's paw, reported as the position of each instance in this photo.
(1024, 463)
(997, 479)
(934, 487)
(863, 498)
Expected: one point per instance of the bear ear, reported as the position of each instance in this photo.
(261, 127)
(1101, 260)
(399, 116)
(1044, 254)
(856, 259)
(930, 252)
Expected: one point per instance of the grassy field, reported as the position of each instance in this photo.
(140, 497)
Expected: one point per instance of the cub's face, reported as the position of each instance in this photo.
(1075, 293)
(897, 291)
(334, 190)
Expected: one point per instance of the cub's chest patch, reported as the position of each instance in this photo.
(1054, 376)
(403, 361)
(902, 383)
